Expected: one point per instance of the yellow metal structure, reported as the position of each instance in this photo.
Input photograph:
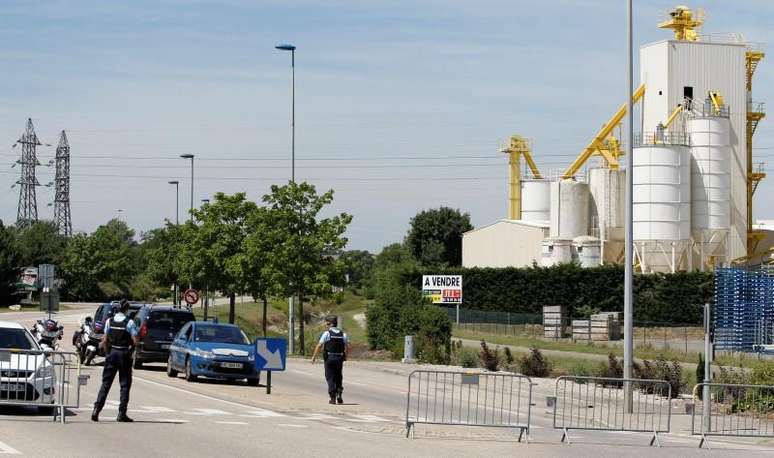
(754, 116)
(518, 148)
(603, 143)
(673, 116)
(717, 102)
(684, 23)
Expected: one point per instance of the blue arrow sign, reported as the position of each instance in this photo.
(270, 354)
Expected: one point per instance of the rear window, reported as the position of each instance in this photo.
(169, 319)
(16, 338)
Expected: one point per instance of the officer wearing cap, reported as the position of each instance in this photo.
(121, 334)
(335, 346)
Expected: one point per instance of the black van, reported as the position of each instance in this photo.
(159, 325)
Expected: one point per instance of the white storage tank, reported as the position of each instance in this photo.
(661, 200)
(608, 202)
(588, 250)
(569, 209)
(555, 251)
(535, 200)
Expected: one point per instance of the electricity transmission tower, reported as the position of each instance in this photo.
(62, 187)
(27, 212)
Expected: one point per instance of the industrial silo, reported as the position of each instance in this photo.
(588, 250)
(569, 209)
(535, 200)
(555, 250)
(608, 200)
(662, 202)
(710, 132)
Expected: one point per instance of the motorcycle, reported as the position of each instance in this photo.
(85, 341)
(47, 333)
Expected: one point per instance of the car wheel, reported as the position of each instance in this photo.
(253, 382)
(136, 362)
(171, 372)
(189, 376)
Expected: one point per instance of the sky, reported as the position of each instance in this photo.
(400, 105)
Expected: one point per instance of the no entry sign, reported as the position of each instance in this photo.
(191, 296)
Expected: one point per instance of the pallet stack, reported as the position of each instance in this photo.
(581, 330)
(605, 326)
(555, 321)
(743, 314)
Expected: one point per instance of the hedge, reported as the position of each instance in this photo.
(664, 298)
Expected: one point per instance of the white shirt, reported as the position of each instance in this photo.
(326, 336)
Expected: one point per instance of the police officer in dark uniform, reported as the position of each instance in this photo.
(335, 346)
(121, 334)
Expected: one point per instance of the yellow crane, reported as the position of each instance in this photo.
(684, 23)
(519, 147)
(603, 143)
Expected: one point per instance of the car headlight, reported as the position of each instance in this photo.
(202, 353)
(45, 371)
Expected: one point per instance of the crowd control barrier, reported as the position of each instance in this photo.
(599, 403)
(732, 411)
(493, 399)
(49, 380)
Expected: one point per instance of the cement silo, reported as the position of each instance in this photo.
(535, 200)
(569, 209)
(588, 250)
(710, 132)
(555, 250)
(661, 200)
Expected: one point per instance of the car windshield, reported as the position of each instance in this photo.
(169, 319)
(220, 334)
(16, 338)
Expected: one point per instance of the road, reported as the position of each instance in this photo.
(177, 418)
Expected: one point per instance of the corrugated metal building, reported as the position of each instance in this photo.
(506, 243)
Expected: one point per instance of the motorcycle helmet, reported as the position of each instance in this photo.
(51, 326)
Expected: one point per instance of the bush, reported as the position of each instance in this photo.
(534, 364)
(700, 373)
(612, 369)
(508, 356)
(490, 360)
(661, 369)
(467, 358)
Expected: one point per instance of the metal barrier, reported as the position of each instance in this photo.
(599, 403)
(49, 380)
(493, 399)
(733, 411)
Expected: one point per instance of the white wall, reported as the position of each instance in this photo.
(503, 244)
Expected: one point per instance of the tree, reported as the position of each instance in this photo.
(257, 249)
(303, 245)
(79, 272)
(10, 261)
(435, 236)
(40, 243)
(389, 268)
(161, 249)
(357, 265)
(212, 246)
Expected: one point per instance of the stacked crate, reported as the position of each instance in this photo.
(605, 326)
(554, 321)
(581, 330)
(743, 315)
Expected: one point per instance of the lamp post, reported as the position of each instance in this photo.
(629, 251)
(177, 200)
(191, 157)
(292, 49)
(206, 301)
(120, 211)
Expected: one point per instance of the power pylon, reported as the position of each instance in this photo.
(27, 212)
(62, 187)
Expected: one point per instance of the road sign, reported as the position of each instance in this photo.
(191, 296)
(442, 289)
(270, 353)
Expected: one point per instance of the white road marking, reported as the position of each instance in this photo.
(367, 419)
(170, 420)
(152, 409)
(255, 412)
(289, 425)
(6, 449)
(231, 422)
(206, 412)
(315, 416)
(349, 429)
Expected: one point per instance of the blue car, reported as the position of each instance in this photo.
(212, 350)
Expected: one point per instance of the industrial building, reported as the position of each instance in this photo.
(693, 172)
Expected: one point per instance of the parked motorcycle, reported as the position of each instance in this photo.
(85, 342)
(47, 333)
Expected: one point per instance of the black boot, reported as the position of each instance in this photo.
(95, 414)
(123, 418)
(339, 399)
(333, 400)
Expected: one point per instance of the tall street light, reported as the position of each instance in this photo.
(120, 211)
(292, 49)
(629, 268)
(177, 200)
(206, 301)
(191, 157)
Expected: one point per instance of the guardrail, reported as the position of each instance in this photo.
(599, 403)
(49, 380)
(734, 410)
(493, 399)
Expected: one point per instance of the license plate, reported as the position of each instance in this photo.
(165, 346)
(231, 365)
(13, 386)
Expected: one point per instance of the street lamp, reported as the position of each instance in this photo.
(292, 49)
(191, 157)
(177, 200)
(629, 237)
(206, 300)
(119, 213)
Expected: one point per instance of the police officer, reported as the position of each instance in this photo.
(335, 346)
(121, 334)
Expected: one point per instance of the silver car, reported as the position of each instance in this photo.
(27, 376)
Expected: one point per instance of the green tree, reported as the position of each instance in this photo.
(435, 236)
(212, 250)
(357, 265)
(40, 243)
(257, 250)
(10, 261)
(303, 244)
(389, 269)
(79, 272)
(161, 249)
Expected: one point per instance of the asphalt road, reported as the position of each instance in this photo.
(177, 418)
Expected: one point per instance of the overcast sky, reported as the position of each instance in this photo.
(401, 105)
